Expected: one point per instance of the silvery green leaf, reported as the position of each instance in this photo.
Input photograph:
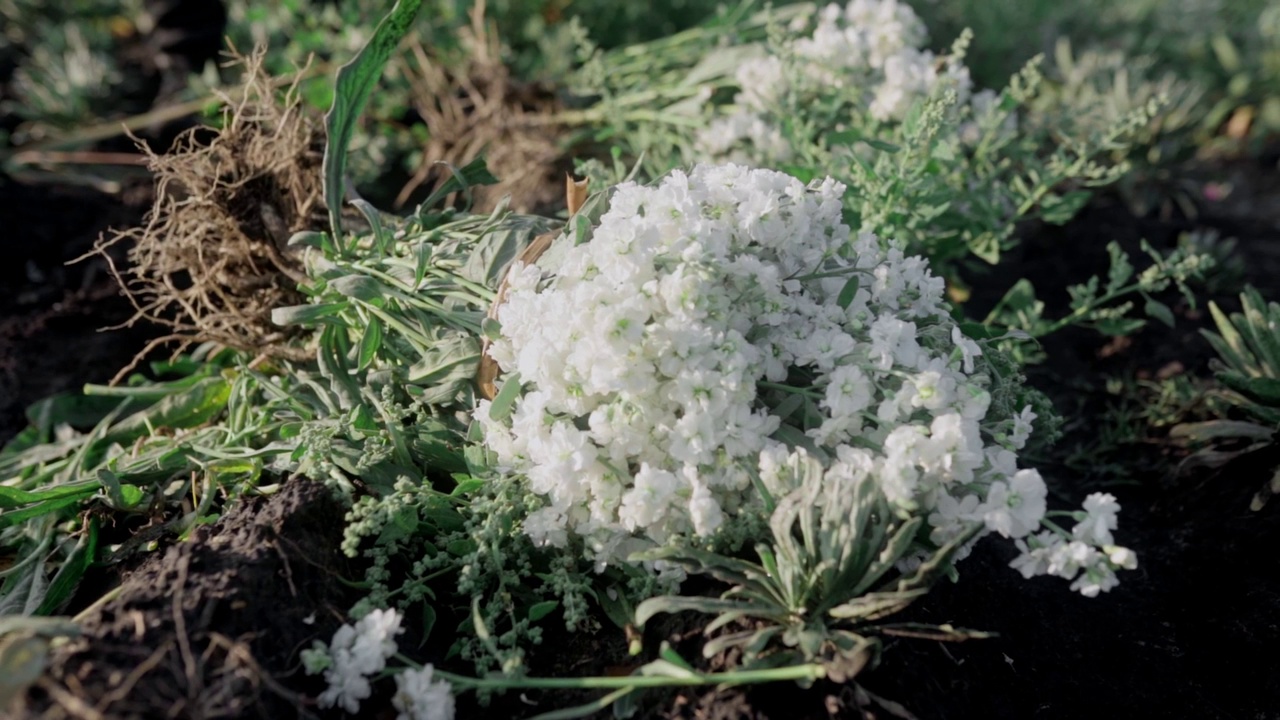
(875, 605)
(666, 668)
(675, 603)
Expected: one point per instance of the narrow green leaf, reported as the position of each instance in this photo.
(360, 287)
(68, 576)
(381, 238)
(354, 84)
(668, 653)
(1260, 389)
(473, 174)
(309, 238)
(370, 342)
(505, 401)
(848, 292)
(305, 314)
(14, 517)
(11, 497)
(428, 623)
(585, 710)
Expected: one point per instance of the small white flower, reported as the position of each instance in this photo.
(705, 511)
(356, 652)
(1122, 557)
(420, 697)
(1016, 508)
(1100, 519)
(1021, 428)
(968, 348)
(1036, 551)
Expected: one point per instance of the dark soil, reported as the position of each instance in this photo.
(213, 626)
(53, 315)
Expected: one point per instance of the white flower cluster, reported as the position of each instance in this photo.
(355, 653)
(360, 651)
(420, 697)
(868, 48)
(1089, 557)
(716, 321)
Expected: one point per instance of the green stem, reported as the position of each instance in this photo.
(806, 392)
(738, 677)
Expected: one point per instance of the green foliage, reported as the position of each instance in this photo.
(1103, 305)
(1214, 58)
(67, 73)
(819, 588)
(1248, 345)
(354, 83)
(1248, 367)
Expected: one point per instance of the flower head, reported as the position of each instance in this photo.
(420, 697)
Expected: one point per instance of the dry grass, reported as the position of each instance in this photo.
(475, 107)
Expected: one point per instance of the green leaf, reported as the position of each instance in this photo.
(674, 604)
(14, 517)
(309, 238)
(665, 668)
(75, 409)
(305, 314)
(943, 151)
(473, 174)
(381, 238)
(1119, 326)
(541, 610)
(1018, 308)
(466, 485)
(68, 576)
(360, 287)
(617, 607)
(1264, 390)
(370, 342)
(503, 404)
(1059, 209)
(1159, 311)
(848, 292)
(354, 84)
(11, 497)
(195, 406)
(668, 653)
(119, 497)
(589, 709)
(1121, 269)
(458, 548)
(428, 623)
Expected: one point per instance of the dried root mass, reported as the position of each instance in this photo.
(211, 260)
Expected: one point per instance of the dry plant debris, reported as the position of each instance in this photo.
(476, 107)
(210, 262)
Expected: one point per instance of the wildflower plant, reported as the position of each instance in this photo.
(709, 326)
